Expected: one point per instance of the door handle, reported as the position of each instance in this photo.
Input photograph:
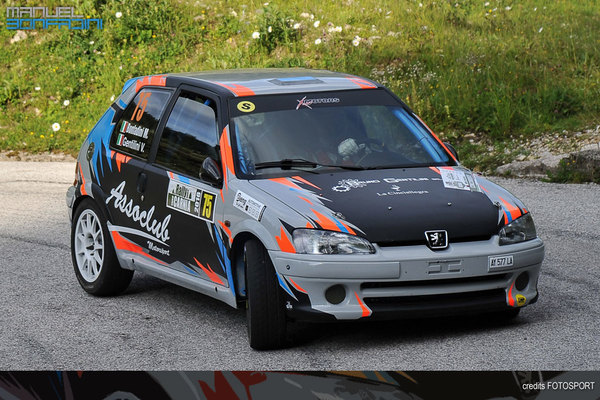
(141, 182)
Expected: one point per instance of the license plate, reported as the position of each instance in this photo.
(500, 262)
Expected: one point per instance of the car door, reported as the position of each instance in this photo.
(133, 220)
(189, 136)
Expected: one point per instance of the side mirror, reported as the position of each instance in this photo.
(210, 171)
(452, 150)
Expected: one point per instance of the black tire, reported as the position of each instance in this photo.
(265, 314)
(94, 260)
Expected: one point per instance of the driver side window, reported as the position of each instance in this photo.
(190, 135)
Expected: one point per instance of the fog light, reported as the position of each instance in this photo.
(335, 294)
(522, 281)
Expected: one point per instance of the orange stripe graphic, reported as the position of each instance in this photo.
(123, 244)
(511, 301)
(227, 230)
(286, 182)
(365, 310)
(226, 158)
(325, 222)
(362, 83)
(299, 178)
(212, 275)
(238, 90)
(296, 285)
(284, 242)
(155, 80)
(513, 210)
(82, 187)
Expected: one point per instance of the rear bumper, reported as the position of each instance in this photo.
(410, 281)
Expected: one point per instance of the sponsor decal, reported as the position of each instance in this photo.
(521, 300)
(347, 184)
(500, 261)
(457, 179)
(437, 240)
(309, 102)
(246, 106)
(248, 205)
(397, 192)
(155, 248)
(191, 200)
(158, 229)
(134, 130)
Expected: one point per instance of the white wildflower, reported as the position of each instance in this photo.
(318, 41)
(508, 8)
(37, 88)
(541, 29)
(118, 14)
(297, 25)
(487, 3)
(91, 42)
(66, 103)
(338, 28)
(304, 15)
(255, 35)
(233, 13)
(316, 24)
(270, 29)
(356, 41)
(112, 98)
(56, 127)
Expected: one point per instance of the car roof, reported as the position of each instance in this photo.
(251, 82)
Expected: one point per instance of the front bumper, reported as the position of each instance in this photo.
(410, 281)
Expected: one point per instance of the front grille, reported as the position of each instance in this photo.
(441, 304)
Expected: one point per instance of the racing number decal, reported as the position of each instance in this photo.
(246, 106)
(141, 106)
(207, 205)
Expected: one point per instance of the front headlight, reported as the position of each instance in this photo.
(520, 230)
(314, 241)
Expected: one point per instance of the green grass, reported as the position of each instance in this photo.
(502, 71)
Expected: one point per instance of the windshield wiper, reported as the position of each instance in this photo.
(288, 163)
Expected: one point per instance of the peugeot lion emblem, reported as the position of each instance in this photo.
(437, 240)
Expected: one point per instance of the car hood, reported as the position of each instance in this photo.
(392, 206)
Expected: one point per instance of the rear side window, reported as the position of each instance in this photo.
(135, 130)
(190, 135)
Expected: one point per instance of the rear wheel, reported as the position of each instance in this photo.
(94, 259)
(265, 315)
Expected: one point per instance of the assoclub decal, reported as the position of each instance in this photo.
(158, 229)
(248, 205)
(191, 200)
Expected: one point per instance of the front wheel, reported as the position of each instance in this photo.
(94, 259)
(265, 315)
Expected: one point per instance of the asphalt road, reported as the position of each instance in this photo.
(48, 322)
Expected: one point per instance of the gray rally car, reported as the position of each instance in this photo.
(299, 194)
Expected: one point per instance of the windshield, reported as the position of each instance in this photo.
(330, 130)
